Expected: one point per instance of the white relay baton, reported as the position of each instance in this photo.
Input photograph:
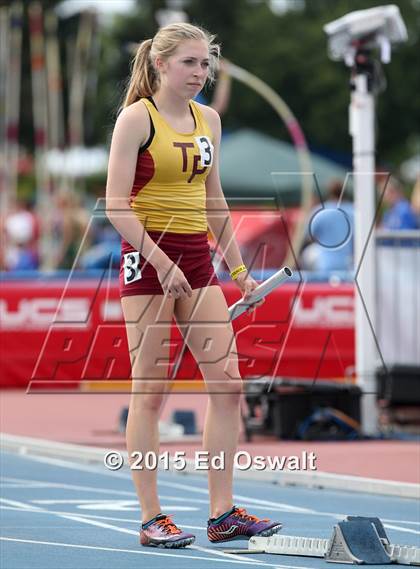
(260, 292)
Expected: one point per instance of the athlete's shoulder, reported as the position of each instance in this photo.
(208, 112)
(136, 112)
(211, 116)
(134, 119)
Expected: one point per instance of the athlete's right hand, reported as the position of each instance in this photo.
(173, 281)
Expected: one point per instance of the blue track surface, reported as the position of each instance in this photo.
(58, 514)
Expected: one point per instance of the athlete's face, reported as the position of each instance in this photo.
(187, 69)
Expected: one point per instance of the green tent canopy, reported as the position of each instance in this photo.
(248, 159)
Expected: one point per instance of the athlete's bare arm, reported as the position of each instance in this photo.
(218, 215)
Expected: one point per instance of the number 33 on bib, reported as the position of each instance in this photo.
(206, 150)
(132, 270)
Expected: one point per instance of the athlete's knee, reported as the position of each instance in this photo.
(145, 398)
(225, 388)
(226, 399)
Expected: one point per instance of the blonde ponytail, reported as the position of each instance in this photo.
(143, 79)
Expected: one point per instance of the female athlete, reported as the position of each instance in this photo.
(163, 193)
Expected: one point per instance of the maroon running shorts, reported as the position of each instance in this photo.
(190, 251)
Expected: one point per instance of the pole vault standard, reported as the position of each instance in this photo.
(356, 38)
(13, 99)
(40, 118)
(54, 81)
(4, 70)
(79, 77)
(10, 76)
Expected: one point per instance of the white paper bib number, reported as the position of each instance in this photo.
(206, 150)
(132, 270)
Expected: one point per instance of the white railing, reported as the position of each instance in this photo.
(398, 296)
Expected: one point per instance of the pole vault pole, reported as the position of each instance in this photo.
(55, 86)
(4, 72)
(298, 138)
(40, 112)
(13, 99)
(56, 123)
(79, 79)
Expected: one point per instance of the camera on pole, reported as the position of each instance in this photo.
(375, 28)
(356, 38)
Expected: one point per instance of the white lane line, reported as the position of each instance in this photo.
(400, 522)
(103, 525)
(254, 561)
(117, 505)
(92, 501)
(227, 556)
(20, 505)
(91, 516)
(34, 484)
(121, 550)
(21, 486)
(399, 528)
(190, 488)
(65, 486)
(247, 501)
(278, 506)
(341, 517)
(76, 466)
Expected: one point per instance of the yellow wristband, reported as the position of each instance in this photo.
(236, 272)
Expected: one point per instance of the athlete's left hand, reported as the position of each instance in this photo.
(247, 284)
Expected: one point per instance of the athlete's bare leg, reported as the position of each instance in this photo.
(203, 320)
(148, 320)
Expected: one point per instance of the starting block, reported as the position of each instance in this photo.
(357, 540)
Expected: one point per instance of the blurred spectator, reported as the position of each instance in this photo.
(70, 224)
(399, 213)
(107, 244)
(415, 198)
(328, 243)
(104, 239)
(21, 235)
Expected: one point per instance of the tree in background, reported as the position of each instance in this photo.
(287, 49)
(289, 52)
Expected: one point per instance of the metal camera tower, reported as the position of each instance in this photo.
(363, 39)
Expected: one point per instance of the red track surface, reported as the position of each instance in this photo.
(92, 419)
